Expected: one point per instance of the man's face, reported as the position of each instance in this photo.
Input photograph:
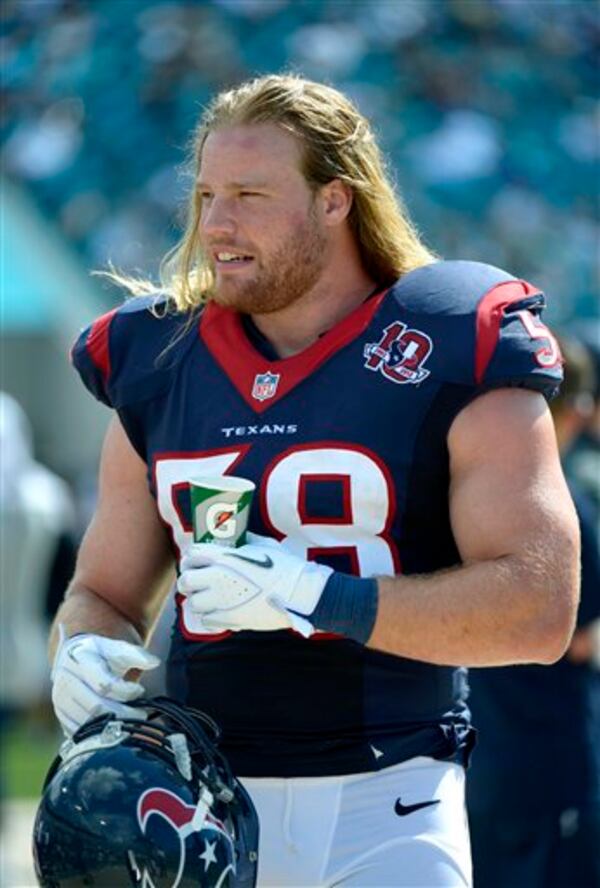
(260, 226)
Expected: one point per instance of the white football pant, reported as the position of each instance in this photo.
(369, 830)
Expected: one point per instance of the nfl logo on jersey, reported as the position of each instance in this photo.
(265, 385)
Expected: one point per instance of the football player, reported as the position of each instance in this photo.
(411, 514)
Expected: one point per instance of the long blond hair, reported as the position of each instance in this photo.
(337, 143)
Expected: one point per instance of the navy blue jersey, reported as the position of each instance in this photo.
(346, 442)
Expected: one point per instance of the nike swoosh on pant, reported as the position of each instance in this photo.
(402, 810)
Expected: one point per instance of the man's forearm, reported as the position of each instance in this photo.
(84, 611)
(490, 613)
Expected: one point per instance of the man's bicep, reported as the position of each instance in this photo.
(508, 495)
(125, 553)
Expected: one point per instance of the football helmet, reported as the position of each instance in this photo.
(149, 803)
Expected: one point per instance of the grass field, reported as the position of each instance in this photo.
(28, 747)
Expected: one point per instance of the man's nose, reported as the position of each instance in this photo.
(217, 217)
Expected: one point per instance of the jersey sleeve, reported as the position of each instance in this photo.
(513, 347)
(484, 325)
(130, 354)
(90, 355)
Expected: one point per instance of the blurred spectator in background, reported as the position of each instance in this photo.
(37, 520)
(533, 791)
(37, 555)
(582, 460)
(498, 98)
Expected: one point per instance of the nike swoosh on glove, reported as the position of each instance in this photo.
(87, 678)
(262, 587)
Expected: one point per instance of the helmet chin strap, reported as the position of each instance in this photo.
(183, 759)
(204, 805)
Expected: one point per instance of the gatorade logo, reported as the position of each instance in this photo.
(221, 521)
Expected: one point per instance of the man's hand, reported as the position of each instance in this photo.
(262, 587)
(88, 678)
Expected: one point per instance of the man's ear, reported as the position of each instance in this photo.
(336, 201)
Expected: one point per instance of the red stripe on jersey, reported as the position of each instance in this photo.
(489, 318)
(97, 343)
(223, 333)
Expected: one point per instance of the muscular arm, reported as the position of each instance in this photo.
(514, 599)
(125, 555)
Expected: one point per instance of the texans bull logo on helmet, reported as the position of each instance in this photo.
(157, 808)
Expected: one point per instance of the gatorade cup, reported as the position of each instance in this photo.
(220, 509)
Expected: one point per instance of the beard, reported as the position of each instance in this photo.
(281, 278)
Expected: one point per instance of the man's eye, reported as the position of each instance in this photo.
(205, 195)
(250, 194)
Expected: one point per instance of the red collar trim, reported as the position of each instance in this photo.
(223, 334)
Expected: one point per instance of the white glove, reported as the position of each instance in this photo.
(87, 678)
(263, 587)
